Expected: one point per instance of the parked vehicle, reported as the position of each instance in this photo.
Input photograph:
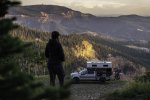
(94, 71)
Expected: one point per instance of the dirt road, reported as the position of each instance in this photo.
(94, 91)
(89, 90)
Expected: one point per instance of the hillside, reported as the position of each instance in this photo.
(52, 17)
(79, 49)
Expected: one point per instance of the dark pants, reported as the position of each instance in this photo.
(56, 69)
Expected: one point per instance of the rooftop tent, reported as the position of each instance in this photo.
(99, 64)
(101, 67)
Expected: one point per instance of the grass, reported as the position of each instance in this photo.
(46, 80)
(134, 91)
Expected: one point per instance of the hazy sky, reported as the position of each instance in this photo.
(100, 7)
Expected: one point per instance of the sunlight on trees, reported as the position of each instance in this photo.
(84, 50)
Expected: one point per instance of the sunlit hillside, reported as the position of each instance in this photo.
(79, 49)
(84, 50)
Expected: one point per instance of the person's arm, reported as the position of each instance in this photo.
(62, 56)
(47, 51)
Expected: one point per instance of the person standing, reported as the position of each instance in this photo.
(55, 54)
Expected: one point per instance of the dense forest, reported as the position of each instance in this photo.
(78, 49)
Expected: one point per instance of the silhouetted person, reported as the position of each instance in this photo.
(55, 54)
(117, 73)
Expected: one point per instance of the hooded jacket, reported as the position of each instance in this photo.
(54, 51)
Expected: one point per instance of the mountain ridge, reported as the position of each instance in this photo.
(49, 9)
(52, 17)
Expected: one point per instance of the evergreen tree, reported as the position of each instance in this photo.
(15, 85)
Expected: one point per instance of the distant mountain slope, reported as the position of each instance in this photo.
(78, 49)
(65, 20)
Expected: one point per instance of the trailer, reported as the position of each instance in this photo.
(94, 71)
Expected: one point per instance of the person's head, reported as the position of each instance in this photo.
(55, 35)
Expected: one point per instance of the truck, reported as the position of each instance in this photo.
(94, 71)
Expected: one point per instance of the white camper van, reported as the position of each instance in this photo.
(95, 71)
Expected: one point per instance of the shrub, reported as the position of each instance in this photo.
(143, 78)
(138, 90)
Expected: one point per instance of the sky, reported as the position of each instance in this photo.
(100, 7)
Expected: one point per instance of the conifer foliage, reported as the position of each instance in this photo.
(14, 84)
